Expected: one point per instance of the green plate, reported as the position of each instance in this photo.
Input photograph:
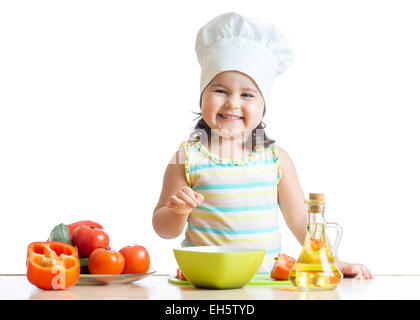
(101, 279)
(258, 279)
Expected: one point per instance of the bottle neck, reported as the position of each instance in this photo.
(316, 217)
(316, 214)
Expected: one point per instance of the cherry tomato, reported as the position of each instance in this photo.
(104, 261)
(87, 239)
(282, 267)
(137, 259)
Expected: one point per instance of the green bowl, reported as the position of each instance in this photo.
(219, 267)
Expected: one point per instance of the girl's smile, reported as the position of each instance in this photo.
(230, 117)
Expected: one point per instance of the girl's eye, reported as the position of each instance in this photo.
(220, 91)
(247, 95)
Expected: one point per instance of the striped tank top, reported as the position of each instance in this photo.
(240, 200)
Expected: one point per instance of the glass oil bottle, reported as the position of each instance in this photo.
(315, 268)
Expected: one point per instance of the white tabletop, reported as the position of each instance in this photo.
(157, 287)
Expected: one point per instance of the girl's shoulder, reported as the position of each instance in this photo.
(187, 146)
(181, 154)
(188, 143)
(185, 150)
(191, 143)
(283, 159)
(278, 151)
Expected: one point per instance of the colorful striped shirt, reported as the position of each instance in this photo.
(240, 200)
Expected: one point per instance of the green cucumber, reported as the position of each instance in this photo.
(83, 262)
(84, 266)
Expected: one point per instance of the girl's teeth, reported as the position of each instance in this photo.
(230, 117)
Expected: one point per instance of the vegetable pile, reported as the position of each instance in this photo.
(80, 247)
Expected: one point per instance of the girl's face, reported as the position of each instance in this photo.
(232, 104)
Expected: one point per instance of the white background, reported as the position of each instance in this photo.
(95, 97)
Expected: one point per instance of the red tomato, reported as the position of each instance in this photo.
(87, 239)
(180, 275)
(282, 267)
(74, 225)
(137, 259)
(104, 261)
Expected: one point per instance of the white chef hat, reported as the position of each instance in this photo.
(234, 42)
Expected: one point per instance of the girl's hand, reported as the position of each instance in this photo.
(350, 270)
(185, 200)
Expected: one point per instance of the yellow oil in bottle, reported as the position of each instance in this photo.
(315, 268)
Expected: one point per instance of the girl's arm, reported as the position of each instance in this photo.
(291, 198)
(176, 200)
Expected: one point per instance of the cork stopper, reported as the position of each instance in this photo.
(316, 203)
(316, 196)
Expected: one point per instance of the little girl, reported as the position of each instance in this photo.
(228, 179)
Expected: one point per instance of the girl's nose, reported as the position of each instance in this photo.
(233, 103)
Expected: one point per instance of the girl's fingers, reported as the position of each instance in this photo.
(358, 271)
(171, 205)
(185, 197)
(353, 271)
(366, 272)
(190, 192)
(199, 197)
(176, 201)
(188, 196)
(361, 272)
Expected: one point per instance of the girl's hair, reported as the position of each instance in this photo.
(195, 135)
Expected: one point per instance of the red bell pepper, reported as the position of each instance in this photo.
(52, 265)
